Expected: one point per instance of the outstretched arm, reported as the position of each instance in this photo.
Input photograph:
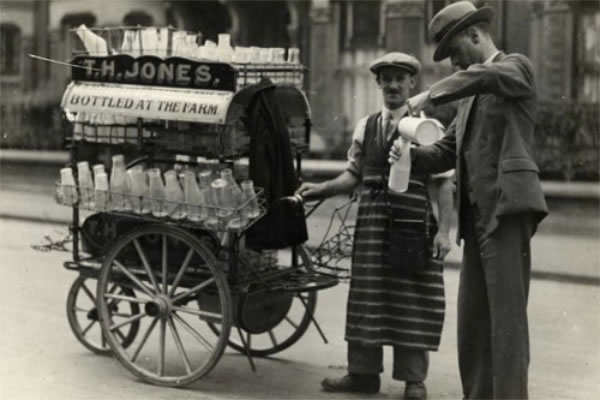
(343, 183)
(512, 77)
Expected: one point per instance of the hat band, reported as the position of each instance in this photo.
(440, 35)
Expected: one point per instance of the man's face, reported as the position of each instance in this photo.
(395, 83)
(463, 50)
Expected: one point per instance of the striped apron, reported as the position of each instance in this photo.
(386, 305)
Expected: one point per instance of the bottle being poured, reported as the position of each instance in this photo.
(400, 170)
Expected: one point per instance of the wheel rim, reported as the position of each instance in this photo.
(290, 329)
(169, 276)
(83, 316)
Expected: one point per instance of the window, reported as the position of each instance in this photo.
(10, 49)
(360, 24)
(432, 7)
(587, 58)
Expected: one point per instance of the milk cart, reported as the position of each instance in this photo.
(167, 295)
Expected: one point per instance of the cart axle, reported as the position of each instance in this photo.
(158, 307)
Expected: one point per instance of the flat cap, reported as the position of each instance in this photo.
(399, 60)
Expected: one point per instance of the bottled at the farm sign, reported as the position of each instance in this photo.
(154, 71)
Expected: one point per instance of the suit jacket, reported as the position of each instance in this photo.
(491, 138)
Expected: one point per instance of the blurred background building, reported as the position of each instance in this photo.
(337, 40)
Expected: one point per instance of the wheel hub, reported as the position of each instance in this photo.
(92, 315)
(158, 307)
(262, 311)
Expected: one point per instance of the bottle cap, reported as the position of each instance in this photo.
(247, 184)
(170, 174)
(66, 172)
(102, 181)
(218, 184)
(98, 169)
(182, 157)
(154, 172)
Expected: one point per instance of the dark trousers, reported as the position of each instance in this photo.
(409, 365)
(493, 335)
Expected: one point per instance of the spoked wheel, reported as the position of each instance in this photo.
(269, 322)
(169, 271)
(84, 320)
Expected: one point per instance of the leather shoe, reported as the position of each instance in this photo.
(352, 383)
(415, 391)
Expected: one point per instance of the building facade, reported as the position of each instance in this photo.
(337, 39)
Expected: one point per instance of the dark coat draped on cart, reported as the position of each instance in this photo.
(272, 168)
(399, 305)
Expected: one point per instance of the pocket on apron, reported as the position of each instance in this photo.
(409, 248)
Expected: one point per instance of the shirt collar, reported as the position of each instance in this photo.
(396, 114)
(491, 58)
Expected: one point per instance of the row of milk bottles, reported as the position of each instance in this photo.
(224, 52)
(218, 202)
(155, 41)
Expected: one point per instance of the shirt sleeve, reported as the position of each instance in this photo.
(355, 152)
(449, 173)
(512, 78)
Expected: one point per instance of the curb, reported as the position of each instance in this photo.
(49, 157)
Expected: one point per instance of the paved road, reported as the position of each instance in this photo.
(42, 360)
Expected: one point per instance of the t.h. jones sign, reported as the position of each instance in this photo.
(154, 71)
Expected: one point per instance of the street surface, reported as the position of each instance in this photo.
(41, 359)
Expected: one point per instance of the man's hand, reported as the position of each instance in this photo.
(396, 151)
(441, 246)
(310, 191)
(418, 103)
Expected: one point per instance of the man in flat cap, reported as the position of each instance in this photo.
(398, 302)
(500, 200)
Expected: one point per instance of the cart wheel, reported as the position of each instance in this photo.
(84, 321)
(168, 277)
(290, 326)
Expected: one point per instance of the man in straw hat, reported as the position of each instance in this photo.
(500, 200)
(397, 301)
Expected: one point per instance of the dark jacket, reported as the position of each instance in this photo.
(272, 168)
(271, 161)
(492, 135)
